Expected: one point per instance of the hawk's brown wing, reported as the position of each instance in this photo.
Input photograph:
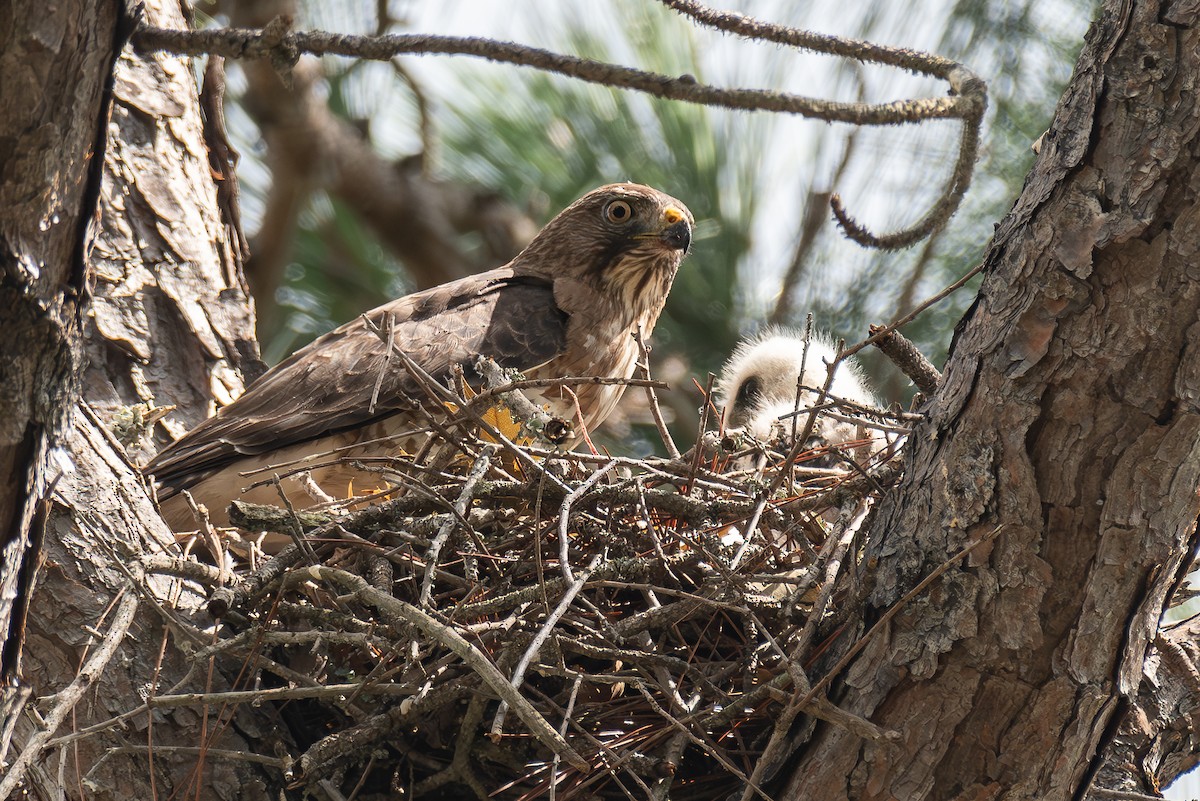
(326, 387)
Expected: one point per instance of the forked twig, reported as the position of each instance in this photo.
(451, 639)
(66, 699)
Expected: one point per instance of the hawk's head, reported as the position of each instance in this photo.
(626, 239)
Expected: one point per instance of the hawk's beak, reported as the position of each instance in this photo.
(676, 232)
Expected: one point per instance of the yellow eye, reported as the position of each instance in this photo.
(618, 211)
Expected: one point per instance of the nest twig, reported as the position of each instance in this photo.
(557, 625)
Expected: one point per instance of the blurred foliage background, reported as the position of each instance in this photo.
(455, 134)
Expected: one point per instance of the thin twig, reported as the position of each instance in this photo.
(907, 318)
(800, 442)
(790, 465)
(539, 639)
(567, 381)
(448, 637)
(564, 520)
(655, 410)
(562, 730)
(385, 368)
(698, 454)
(478, 470)
(255, 696)
(194, 750)
(65, 700)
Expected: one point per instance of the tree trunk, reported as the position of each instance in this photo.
(1068, 419)
(169, 320)
(56, 67)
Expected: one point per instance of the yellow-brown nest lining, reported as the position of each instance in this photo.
(563, 626)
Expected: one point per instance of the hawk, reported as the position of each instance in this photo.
(565, 306)
(757, 386)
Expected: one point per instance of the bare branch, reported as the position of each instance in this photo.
(248, 43)
(904, 354)
(855, 49)
(964, 84)
(65, 700)
(967, 98)
(947, 203)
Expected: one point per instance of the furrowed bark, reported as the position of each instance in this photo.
(169, 322)
(56, 64)
(1158, 737)
(1069, 416)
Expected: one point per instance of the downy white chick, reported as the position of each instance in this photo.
(757, 393)
(757, 386)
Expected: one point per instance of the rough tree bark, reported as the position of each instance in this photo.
(1068, 417)
(169, 320)
(56, 67)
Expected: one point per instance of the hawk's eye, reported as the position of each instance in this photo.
(618, 211)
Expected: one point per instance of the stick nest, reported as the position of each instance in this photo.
(526, 624)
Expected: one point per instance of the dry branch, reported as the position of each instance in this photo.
(68, 697)
(966, 99)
